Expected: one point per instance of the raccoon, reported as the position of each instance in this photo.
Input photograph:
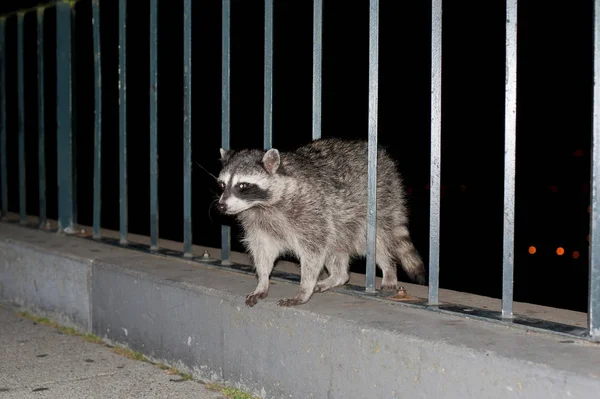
(312, 203)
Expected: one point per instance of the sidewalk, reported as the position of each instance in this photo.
(38, 361)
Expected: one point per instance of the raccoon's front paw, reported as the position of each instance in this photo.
(252, 299)
(289, 302)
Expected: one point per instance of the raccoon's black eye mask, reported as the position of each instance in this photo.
(241, 187)
(250, 192)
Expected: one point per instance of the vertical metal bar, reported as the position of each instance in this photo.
(594, 277)
(3, 166)
(268, 102)
(21, 115)
(123, 120)
(372, 157)
(63, 117)
(317, 68)
(74, 109)
(436, 152)
(153, 124)
(97, 117)
(187, 128)
(225, 99)
(41, 117)
(510, 126)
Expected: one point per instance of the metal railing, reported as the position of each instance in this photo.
(65, 166)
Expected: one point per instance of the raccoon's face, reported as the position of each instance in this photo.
(246, 179)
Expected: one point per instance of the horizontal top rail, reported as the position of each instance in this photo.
(48, 4)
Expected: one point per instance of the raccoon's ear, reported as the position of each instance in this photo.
(225, 155)
(271, 161)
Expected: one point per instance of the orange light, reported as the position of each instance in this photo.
(532, 250)
(560, 251)
(575, 255)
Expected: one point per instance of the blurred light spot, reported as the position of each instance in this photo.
(560, 251)
(578, 153)
(589, 209)
(575, 255)
(554, 189)
(532, 250)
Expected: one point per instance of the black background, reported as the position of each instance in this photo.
(555, 76)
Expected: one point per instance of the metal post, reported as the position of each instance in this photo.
(187, 128)
(510, 127)
(74, 112)
(41, 118)
(594, 276)
(436, 152)
(268, 102)
(317, 66)
(97, 117)
(153, 124)
(21, 115)
(123, 120)
(64, 104)
(225, 99)
(372, 157)
(3, 166)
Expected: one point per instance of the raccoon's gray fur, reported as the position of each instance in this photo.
(313, 203)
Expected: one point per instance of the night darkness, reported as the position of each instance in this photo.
(555, 78)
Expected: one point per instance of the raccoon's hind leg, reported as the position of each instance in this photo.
(337, 266)
(310, 268)
(408, 255)
(388, 268)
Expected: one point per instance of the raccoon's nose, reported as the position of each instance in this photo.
(221, 207)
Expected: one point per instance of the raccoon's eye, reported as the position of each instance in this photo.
(243, 186)
(222, 185)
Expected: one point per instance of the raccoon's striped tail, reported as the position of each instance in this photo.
(408, 256)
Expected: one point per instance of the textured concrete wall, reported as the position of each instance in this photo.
(336, 346)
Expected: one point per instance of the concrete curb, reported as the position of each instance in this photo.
(56, 286)
(336, 346)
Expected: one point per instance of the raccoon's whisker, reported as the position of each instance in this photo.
(203, 168)
(210, 207)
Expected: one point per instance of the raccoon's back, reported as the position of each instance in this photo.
(342, 164)
(334, 160)
(337, 171)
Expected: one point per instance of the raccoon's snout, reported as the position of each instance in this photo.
(221, 207)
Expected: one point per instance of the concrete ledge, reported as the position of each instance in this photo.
(336, 346)
(56, 285)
